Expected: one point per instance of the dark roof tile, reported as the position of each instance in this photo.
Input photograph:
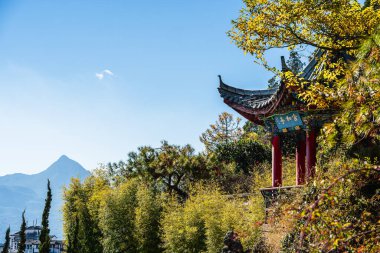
(258, 99)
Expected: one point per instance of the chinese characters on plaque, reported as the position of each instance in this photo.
(291, 120)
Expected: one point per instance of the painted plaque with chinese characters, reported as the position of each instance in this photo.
(291, 120)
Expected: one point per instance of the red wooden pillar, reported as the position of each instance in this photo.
(300, 160)
(276, 162)
(311, 148)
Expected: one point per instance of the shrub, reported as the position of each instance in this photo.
(339, 211)
(118, 219)
(245, 153)
(148, 215)
(200, 224)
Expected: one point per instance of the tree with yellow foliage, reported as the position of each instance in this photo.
(334, 25)
(339, 209)
(345, 79)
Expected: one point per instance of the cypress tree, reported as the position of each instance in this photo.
(7, 241)
(44, 236)
(21, 244)
(294, 62)
(295, 65)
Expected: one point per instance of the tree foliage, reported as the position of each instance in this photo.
(72, 237)
(294, 62)
(245, 153)
(7, 241)
(359, 97)
(339, 213)
(135, 217)
(232, 161)
(154, 202)
(44, 246)
(200, 224)
(332, 25)
(170, 168)
(83, 202)
(103, 218)
(21, 244)
(346, 77)
(148, 218)
(130, 219)
(118, 221)
(295, 65)
(226, 129)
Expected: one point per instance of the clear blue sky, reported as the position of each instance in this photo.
(162, 60)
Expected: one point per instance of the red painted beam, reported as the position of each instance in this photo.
(300, 161)
(276, 162)
(311, 152)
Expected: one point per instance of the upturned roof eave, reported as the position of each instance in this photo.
(255, 103)
(256, 114)
(243, 92)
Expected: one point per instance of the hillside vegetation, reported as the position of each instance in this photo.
(172, 199)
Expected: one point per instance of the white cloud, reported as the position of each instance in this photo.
(107, 71)
(102, 74)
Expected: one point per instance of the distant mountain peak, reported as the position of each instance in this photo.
(64, 157)
(20, 191)
(65, 164)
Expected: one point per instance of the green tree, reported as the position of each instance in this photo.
(274, 82)
(356, 126)
(45, 231)
(72, 238)
(148, 216)
(199, 224)
(118, 221)
(294, 63)
(225, 130)
(81, 214)
(338, 212)
(21, 244)
(96, 189)
(71, 197)
(7, 241)
(245, 154)
(335, 27)
(170, 168)
(330, 25)
(374, 3)
(256, 132)
(124, 218)
(234, 154)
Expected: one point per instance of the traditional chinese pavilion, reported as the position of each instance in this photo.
(280, 111)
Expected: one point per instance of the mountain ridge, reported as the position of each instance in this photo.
(62, 158)
(22, 191)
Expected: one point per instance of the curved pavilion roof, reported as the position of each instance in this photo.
(256, 104)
